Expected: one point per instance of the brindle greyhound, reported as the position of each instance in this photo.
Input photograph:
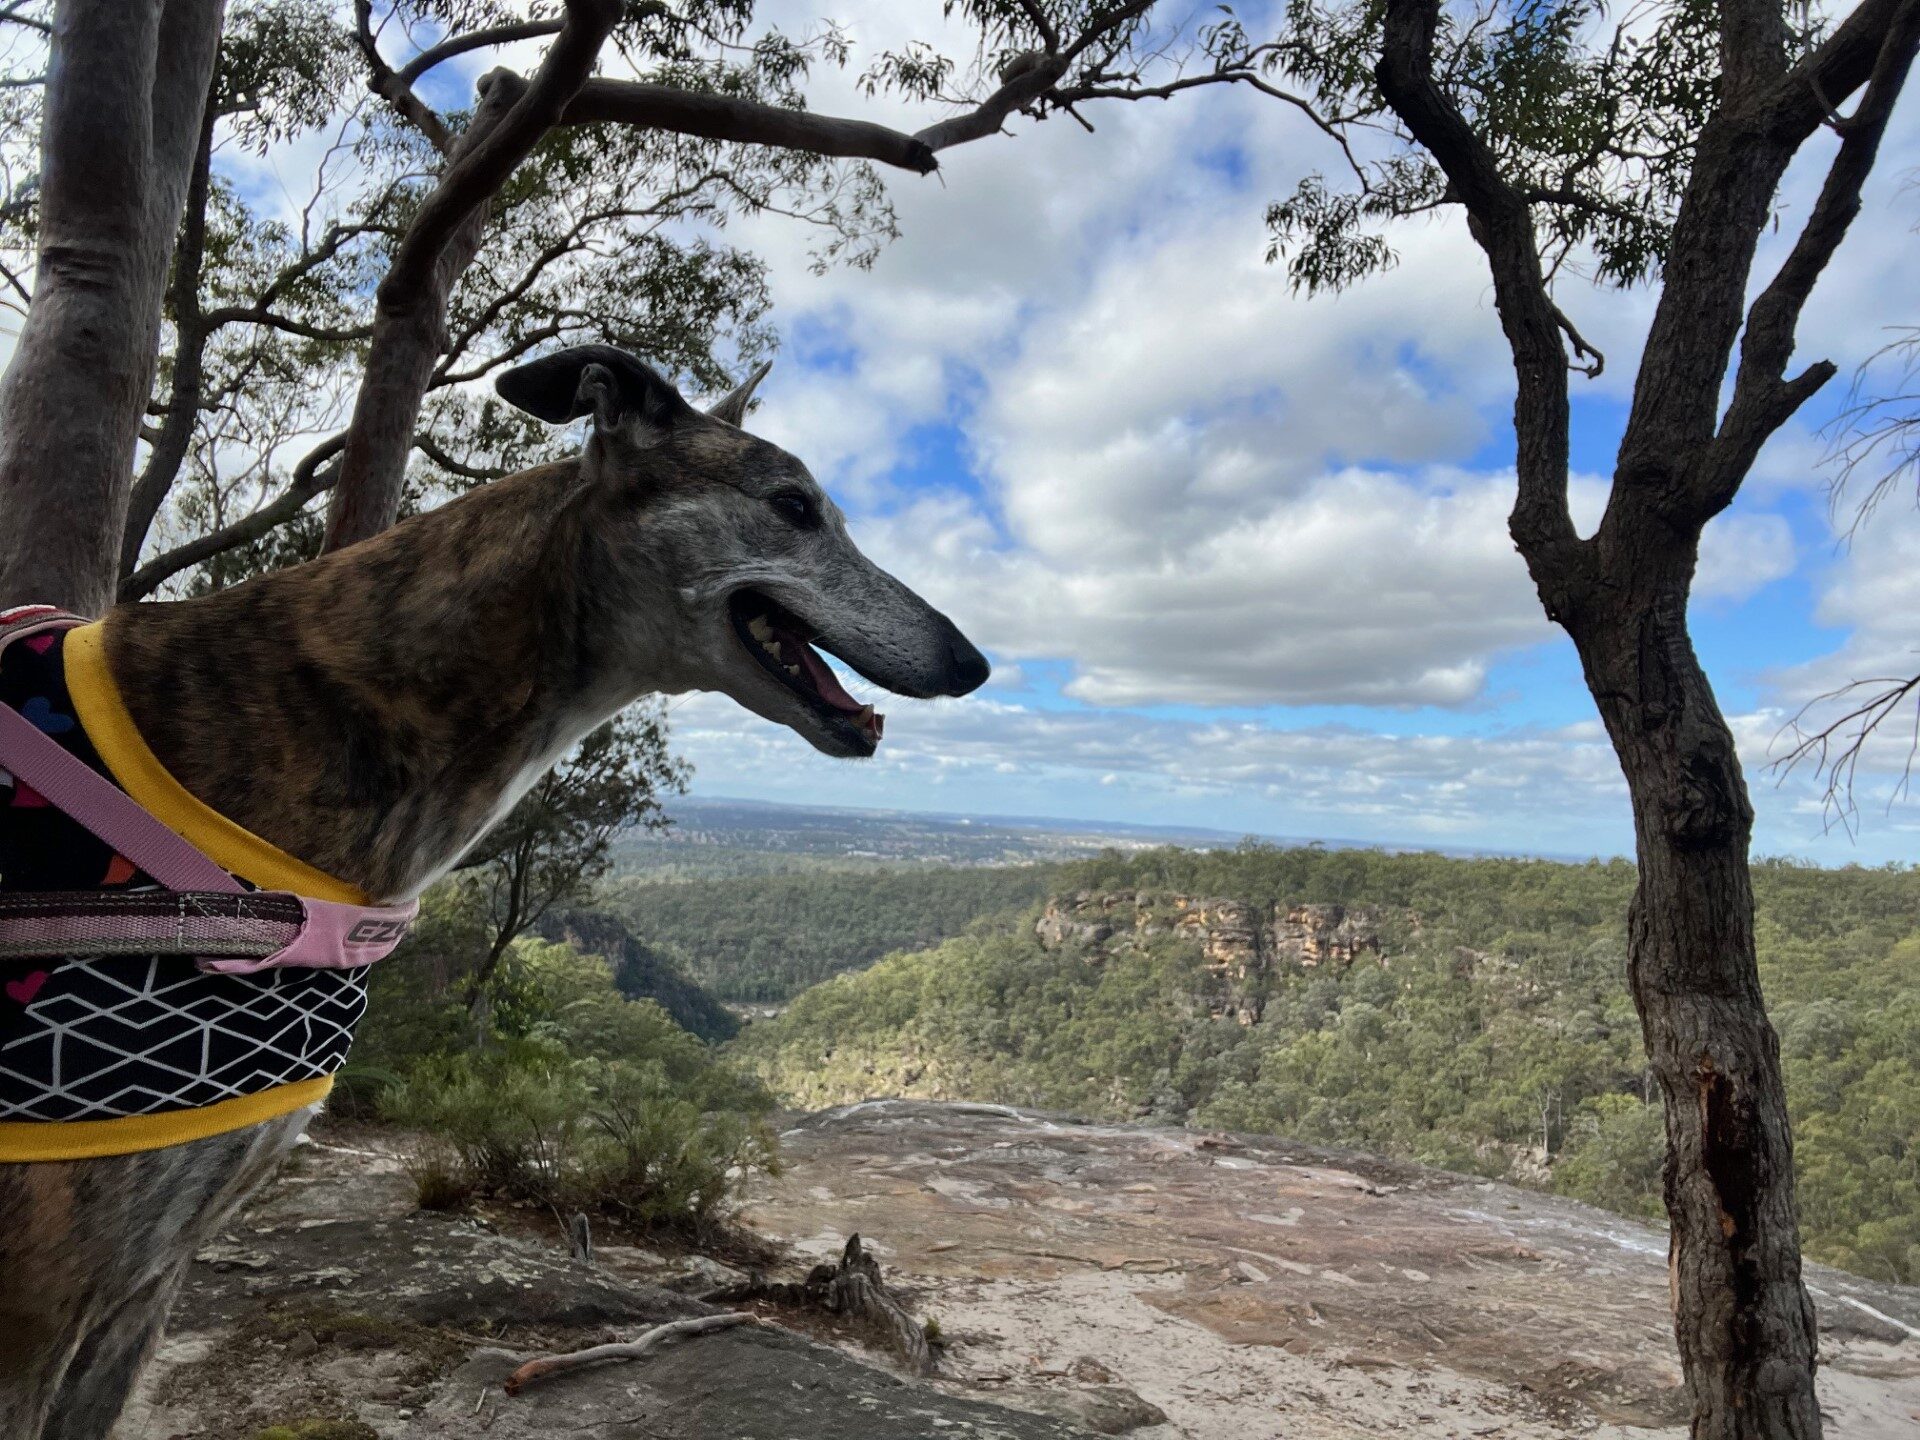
(373, 712)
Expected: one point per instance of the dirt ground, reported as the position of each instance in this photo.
(1082, 1279)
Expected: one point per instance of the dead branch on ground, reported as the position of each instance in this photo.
(658, 1338)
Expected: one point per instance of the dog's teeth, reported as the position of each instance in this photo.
(864, 715)
(794, 670)
(760, 629)
(772, 647)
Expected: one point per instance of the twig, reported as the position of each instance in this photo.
(474, 40)
(1581, 348)
(1835, 749)
(655, 1339)
(316, 471)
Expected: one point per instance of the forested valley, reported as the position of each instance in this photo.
(1490, 1032)
(1467, 1013)
(766, 938)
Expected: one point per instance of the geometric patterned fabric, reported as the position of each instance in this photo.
(106, 1036)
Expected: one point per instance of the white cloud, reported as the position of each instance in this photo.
(1873, 594)
(1356, 587)
(1539, 789)
(1741, 552)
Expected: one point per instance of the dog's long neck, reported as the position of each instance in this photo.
(372, 712)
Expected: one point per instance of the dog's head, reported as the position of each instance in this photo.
(733, 570)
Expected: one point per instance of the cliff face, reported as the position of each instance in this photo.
(1240, 943)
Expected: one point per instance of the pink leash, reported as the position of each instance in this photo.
(209, 910)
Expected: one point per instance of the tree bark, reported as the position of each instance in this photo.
(127, 83)
(1742, 1318)
(409, 332)
(169, 450)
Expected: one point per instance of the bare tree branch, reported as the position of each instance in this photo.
(390, 87)
(445, 459)
(474, 40)
(12, 15)
(1763, 399)
(1039, 75)
(1027, 80)
(1835, 748)
(1803, 99)
(1878, 429)
(258, 314)
(313, 474)
(1541, 522)
(316, 473)
(655, 1339)
(1669, 454)
(728, 117)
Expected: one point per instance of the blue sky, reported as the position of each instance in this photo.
(1240, 556)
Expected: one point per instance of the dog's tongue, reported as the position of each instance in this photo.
(834, 693)
(825, 681)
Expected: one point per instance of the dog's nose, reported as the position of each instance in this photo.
(966, 666)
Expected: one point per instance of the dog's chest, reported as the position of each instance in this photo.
(145, 1039)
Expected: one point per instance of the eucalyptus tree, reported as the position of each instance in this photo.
(558, 840)
(1647, 148)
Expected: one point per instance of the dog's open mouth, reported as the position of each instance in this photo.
(784, 645)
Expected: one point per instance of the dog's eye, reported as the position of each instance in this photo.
(796, 506)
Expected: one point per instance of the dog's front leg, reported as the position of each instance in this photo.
(90, 1257)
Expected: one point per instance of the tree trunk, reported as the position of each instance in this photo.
(1742, 1317)
(127, 83)
(409, 334)
(169, 449)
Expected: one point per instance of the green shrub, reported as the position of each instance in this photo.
(600, 1104)
(1615, 1148)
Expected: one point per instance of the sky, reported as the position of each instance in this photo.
(1240, 556)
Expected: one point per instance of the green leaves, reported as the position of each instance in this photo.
(591, 1102)
(1591, 117)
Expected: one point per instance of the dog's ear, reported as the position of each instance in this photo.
(622, 393)
(732, 407)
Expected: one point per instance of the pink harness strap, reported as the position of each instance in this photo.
(210, 911)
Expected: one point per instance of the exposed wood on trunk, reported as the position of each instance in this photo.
(853, 1288)
(126, 90)
(658, 1338)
